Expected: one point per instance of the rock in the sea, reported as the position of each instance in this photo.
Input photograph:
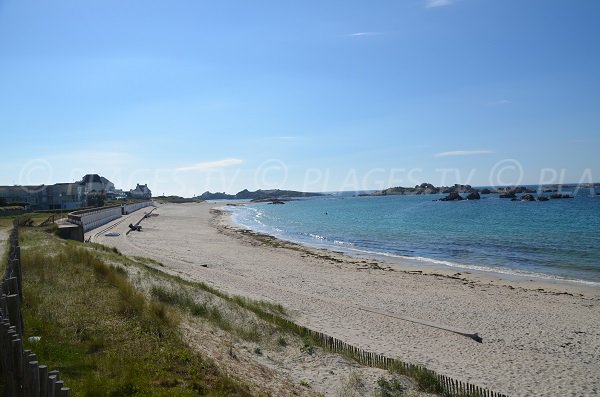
(473, 196)
(510, 194)
(559, 196)
(276, 202)
(542, 198)
(454, 196)
(485, 191)
(527, 197)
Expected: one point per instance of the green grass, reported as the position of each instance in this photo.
(106, 314)
(390, 388)
(103, 335)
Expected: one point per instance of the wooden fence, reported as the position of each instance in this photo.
(432, 381)
(21, 374)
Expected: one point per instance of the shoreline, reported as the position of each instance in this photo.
(534, 342)
(525, 281)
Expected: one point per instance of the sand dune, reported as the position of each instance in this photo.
(538, 339)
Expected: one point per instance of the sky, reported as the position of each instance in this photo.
(189, 96)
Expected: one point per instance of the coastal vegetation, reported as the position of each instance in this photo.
(118, 325)
(104, 335)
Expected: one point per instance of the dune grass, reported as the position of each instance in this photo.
(109, 322)
(103, 335)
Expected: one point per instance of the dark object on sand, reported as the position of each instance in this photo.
(136, 228)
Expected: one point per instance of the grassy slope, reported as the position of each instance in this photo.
(105, 337)
(110, 323)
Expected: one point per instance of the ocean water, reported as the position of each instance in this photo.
(553, 240)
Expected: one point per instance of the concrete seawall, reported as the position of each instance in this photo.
(96, 217)
(129, 208)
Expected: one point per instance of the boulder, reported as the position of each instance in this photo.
(473, 196)
(542, 198)
(555, 196)
(527, 197)
(454, 196)
(485, 191)
(510, 194)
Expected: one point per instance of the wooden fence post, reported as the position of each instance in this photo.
(31, 380)
(58, 385)
(50, 385)
(14, 312)
(43, 372)
(17, 359)
(65, 392)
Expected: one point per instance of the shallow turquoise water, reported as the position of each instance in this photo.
(557, 239)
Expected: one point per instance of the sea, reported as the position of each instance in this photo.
(556, 240)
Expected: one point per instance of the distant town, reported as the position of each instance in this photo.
(91, 191)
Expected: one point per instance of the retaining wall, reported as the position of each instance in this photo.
(91, 219)
(129, 208)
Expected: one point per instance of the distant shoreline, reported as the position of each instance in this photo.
(423, 263)
(429, 265)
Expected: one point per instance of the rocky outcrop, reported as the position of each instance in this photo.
(452, 197)
(485, 191)
(527, 197)
(474, 195)
(560, 196)
(258, 195)
(542, 198)
(510, 194)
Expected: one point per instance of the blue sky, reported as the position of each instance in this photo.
(189, 96)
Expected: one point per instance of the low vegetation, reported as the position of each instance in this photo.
(112, 325)
(103, 335)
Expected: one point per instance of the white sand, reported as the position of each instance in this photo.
(534, 342)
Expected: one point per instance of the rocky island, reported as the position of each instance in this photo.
(258, 195)
(460, 192)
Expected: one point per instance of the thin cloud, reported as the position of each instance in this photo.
(210, 165)
(437, 3)
(363, 34)
(286, 138)
(502, 102)
(459, 153)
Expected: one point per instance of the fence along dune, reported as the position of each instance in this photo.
(21, 373)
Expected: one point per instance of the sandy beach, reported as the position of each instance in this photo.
(539, 339)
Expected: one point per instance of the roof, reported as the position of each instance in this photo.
(91, 178)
